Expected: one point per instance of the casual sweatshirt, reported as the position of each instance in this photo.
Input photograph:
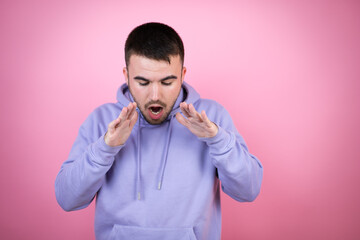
(164, 182)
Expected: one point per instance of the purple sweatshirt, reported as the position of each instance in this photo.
(164, 182)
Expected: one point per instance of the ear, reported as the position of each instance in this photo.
(183, 74)
(125, 72)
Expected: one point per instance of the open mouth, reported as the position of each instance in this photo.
(155, 110)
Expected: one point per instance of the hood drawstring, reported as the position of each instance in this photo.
(165, 154)
(138, 174)
(142, 123)
(163, 162)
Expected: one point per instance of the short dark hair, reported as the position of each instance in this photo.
(155, 41)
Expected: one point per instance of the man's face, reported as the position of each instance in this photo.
(155, 85)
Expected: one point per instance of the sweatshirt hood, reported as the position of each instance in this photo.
(187, 94)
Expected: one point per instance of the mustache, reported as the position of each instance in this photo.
(158, 102)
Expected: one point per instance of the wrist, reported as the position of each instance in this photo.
(110, 143)
(214, 131)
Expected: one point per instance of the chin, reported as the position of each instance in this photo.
(155, 122)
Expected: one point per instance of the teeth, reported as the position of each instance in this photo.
(156, 113)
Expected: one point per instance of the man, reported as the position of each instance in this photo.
(154, 176)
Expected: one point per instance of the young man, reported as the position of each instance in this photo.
(155, 160)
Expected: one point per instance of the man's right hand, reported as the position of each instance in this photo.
(120, 129)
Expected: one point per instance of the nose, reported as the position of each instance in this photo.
(155, 92)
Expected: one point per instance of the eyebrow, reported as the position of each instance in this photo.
(163, 79)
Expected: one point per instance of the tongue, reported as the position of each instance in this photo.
(155, 109)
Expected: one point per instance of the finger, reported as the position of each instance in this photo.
(209, 123)
(193, 112)
(123, 114)
(133, 120)
(134, 104)
(133, 110)
(205, 118)
(181, 119)
(114, 124)
(183, 106)
(130, 108)
(184, 109)
(133, 116)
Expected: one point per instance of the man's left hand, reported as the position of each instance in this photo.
(197, 123)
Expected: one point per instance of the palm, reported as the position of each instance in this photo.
(120, 129)
(197, 123)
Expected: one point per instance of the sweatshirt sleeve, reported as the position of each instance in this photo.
(239, 171)
(83, 173)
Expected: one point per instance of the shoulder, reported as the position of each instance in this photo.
(214, 110)
(103, 114)
(98, 120)
(107, 109)
(210, 106)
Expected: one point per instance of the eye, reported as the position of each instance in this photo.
(143, 83)
(166, 83)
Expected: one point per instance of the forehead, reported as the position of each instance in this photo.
(143, 64)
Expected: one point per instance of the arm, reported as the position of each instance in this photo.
(240, 172)
(83, 174)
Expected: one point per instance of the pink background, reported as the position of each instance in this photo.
(287, 71)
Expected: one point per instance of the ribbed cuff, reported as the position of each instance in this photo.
(104, 153)
(221, 141)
